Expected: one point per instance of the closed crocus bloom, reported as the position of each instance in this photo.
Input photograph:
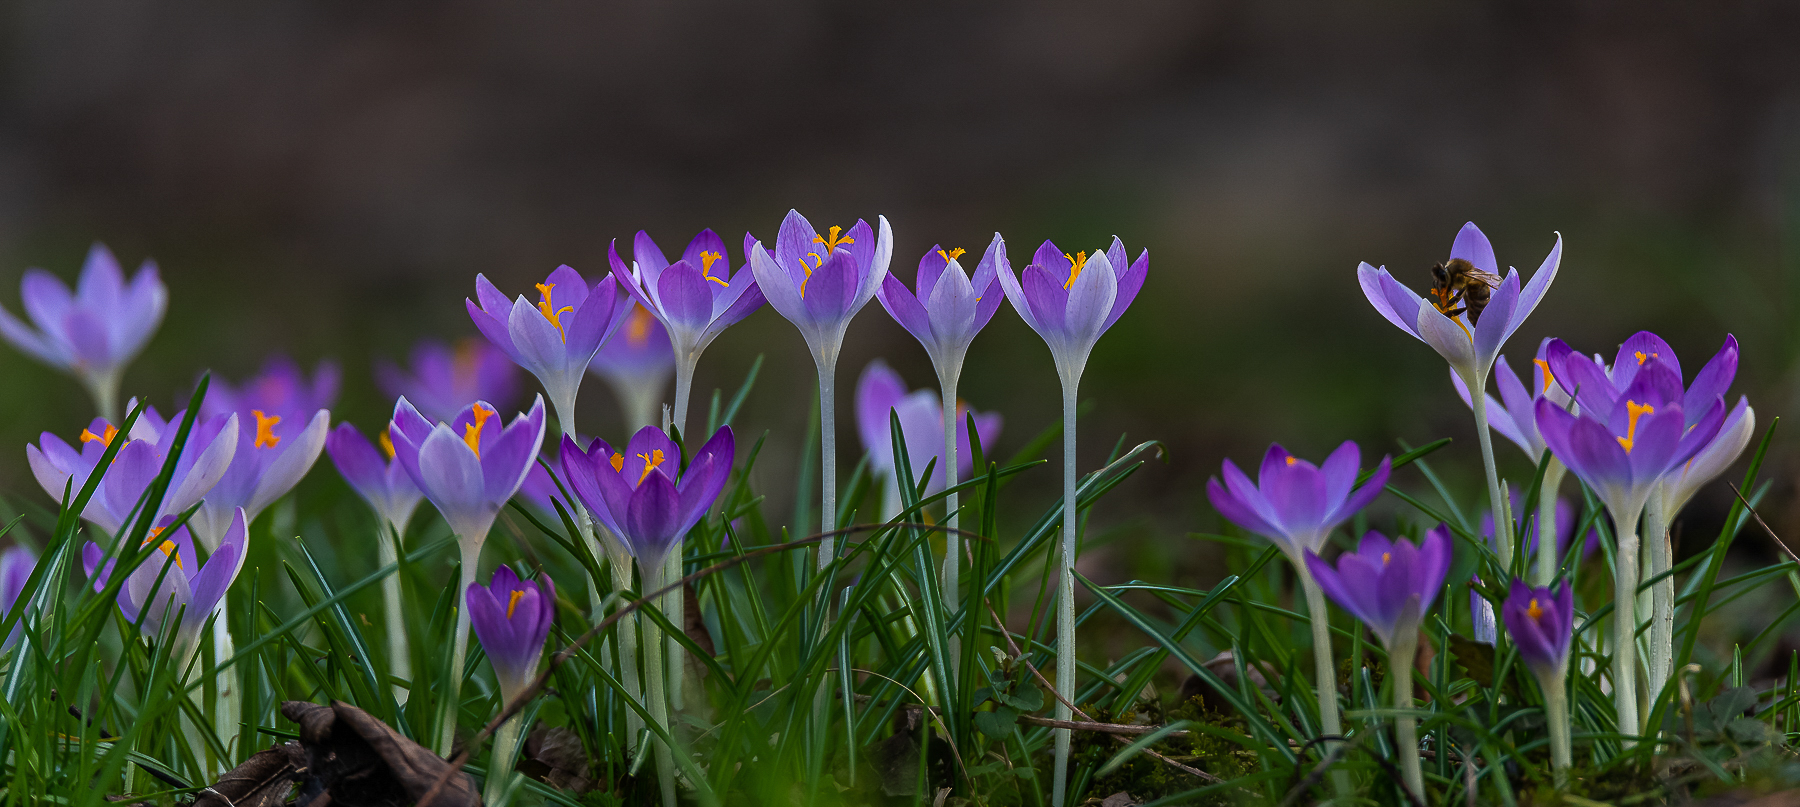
(203, 462)
(194, 589)
(441, 379)
(468, 468)
(285, 421)
(94, 331)
(16, 565)
(1387, 585)
(555, 337)
(1071, 299)
(881, 390)
(637, 363)
(1294, 503)
(695, 298)
(1541, 622)
(636, 494)
(512, 618)
(374, 474)
(949, 307)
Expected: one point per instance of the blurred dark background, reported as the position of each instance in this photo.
(326, 179)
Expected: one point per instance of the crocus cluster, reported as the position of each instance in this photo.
(172, 582)
(63, 470)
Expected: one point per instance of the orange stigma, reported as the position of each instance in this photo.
(637, 328)
(951, 254)
(472, 431)
(1633, 410)
(1291, 459)
(167, 547)
(1385, 557)
(832, 242)
(652, 460)
(706, 261)
(105, 437)
(513, 602)
(1077, 262)
(1549, 379)
(1643, 358)
(550, 312)
(387, 444)
(265, 429)
(618, 462)
(1533, 610)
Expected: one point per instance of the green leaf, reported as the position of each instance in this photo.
(997, 724)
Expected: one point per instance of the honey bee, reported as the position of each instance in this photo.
(1458, 281)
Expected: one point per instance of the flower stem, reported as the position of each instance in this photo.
(1548, 559)
(1625, 583)
(827, 365)
(1658, 555)
(1503, 540)
(228, 709)
(459, 650)
(105, 390)
(653, 674)
(1406, 727)
(399, 653)
(627, 627)
(684, 385)
(1065, 599)
(506, 754)
(1556, 711)
(674, 605)
(1324, 666)
(953, 543)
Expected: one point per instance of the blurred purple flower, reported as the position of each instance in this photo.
(512, 618)
(1481, 617)
(556, 337)
(203, 462)
(16, 565)
(949, 308)
(635, 492)
(848, 268)
(1541, 622)
(1388, 585)
(1070, 300)
(921, 420)
(1471, 349)
(187, 584)
(1514, 414)
(377, 477)
(442, 379)
(94, 331)
(470, 466)
(1294, 503)
(285, 421)
(637, 364)
(539, 489)
(1566, 516)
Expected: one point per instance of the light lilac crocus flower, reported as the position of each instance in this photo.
(1388, 586)
(195, 589)
(881, 390)
(94, 331)
(695, 298)
(556, 337)
(285, 420)
(441, 379)
(16, 565)
(203, 462)
(1541, 622)
(637, 364)
(375, 475)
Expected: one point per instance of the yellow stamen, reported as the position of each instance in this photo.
(832, 242)
(168, 548)
(706, 262)
(265, 429)
(387, 444)
(1077, 262)
(1533, 610)
(1385, 557)
(951, 254)
(1291, 460)
(1443, 307)
(637, 328)
(513, 602)
(472, 431)
(618, 462)
(653, 459)
(809, 270)
(1633, 410)
(1545, 367)
(551, 313)
(105, 438)
(1643, 358)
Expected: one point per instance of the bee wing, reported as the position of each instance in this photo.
(1488, 279)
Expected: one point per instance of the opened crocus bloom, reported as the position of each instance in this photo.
(374, 474)
(1387, 585)
(94, 331)
(441, 379)
(637, 364)
(1294, 503)
(285, 420)
(512, 618)
(1071, 298)
(642, 494)
(469, 466)
(818, 282)
(203, 462)
(555, 337)
(187, 586)
(949, 307)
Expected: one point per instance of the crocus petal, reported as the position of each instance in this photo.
(900, 304)
(1713, 380)
(1131, 280)
(1448, 338)
(1496, 321)
(1390, 299)
(296, 458)
(450, 476)
(1473, 246)
(652, 518)
(781, 291)
(877, 390)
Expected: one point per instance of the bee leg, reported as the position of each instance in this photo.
(1453, 312)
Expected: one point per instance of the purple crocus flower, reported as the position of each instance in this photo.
(556, 337)
(187, 584)
(470, 466)
(881, 390)
(512, 618)
(203, 462)
(1070, 300)
(16, 565)
(1294, 503)
(637, 364)
(94, 331)
(949, 308)
(847, 268)
(1388, 585)
(285, 423)
(635, 492)
(1542, 624)
(375, 476)
(695, 299)
(1470, 348)
(442, 379)
(1566, 516)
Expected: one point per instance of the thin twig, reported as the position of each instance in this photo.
(1764, 524)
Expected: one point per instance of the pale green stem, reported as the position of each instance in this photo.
(674, 605)
(627, 628)
(827, 365)
(657, 701)
(639, 404)
(1548, 560)
(684, 385)
(1503, 538)
(1324, 666)
(228, 709)
(459, 650)
(1065, 597)
(1658, 555)
(399, 654)
(105, 390)
(506, 754)
(1406, 727)
(1556, 712)
(1625, 582)
(953, 543)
